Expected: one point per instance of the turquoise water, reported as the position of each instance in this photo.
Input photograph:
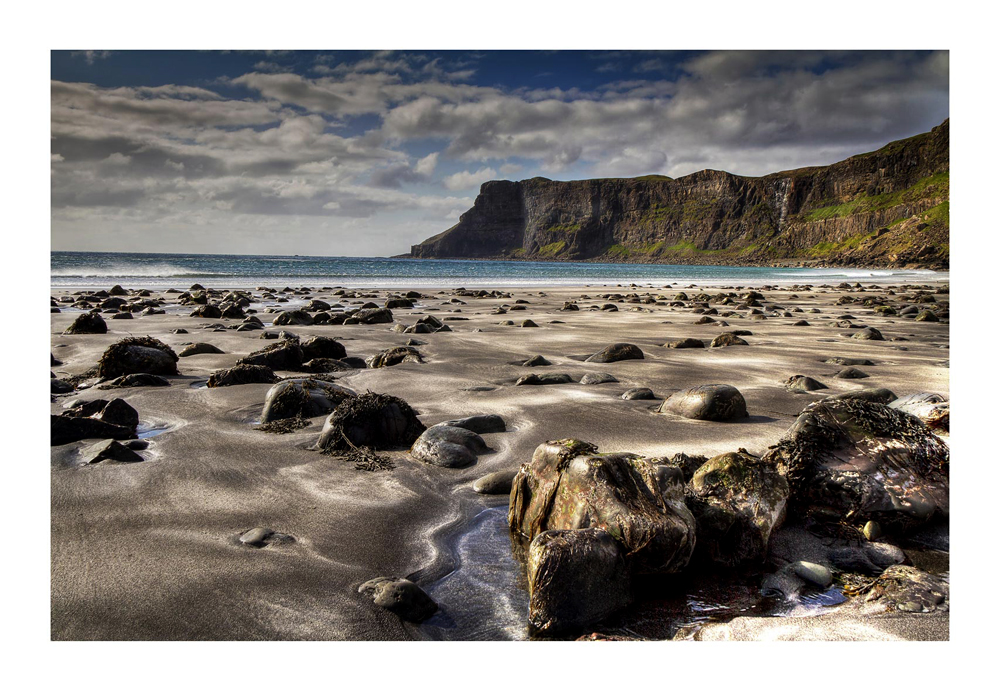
(83, 269)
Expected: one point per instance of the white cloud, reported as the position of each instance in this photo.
(466, 180)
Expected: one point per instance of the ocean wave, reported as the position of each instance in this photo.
(133, 271)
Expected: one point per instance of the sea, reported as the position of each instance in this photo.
(161, 271)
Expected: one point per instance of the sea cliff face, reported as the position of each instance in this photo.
(884, 208)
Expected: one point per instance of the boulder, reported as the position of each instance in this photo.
(716, 402)
(378, 421)
(597, 378)
(908, 589)
(883, 396)
(65, 430)
(638, 394)
(322, 347)
(394, 356)
(737, 500)
(109, 450)
(575, 578)
(799, 383)
(480, 424)
(400, 596)
(567, 486)
(88, 323)
(727, 339)
(374, 315)
(448, 447)
(199, 349)
(536, 361)
(293, 318)
(286, 355)
(869, 333)
(242, 374)
(616, 352)
(302, 398)
(687, 343)
(853, 460)
(851, 373)
(137, 355)
(495, 483)
(543, 379)
(129, 381)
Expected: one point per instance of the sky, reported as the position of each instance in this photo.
(364, 153)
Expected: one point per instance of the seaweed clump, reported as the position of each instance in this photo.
(137, 354)
(284, 426)
(375, 420)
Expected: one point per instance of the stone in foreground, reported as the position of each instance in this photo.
(715, 402)
(575, 578)
(403, 598)
(378, 421)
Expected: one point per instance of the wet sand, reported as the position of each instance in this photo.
(149, 550)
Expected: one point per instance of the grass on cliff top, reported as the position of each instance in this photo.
(937, 183)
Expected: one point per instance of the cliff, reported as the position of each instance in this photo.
(884, 208)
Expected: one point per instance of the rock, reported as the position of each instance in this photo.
(687, 464)
(448, 447)
(575, 578)
(109, 450)
(242, 374)
(207, 312)
(868, 334)
(617, 352)
(137, 355)
(376, 315)
(285, 355)
(65, 430)
(543, 379)
(872, 530)
(322, 347)
(495, 483)
(303, 398)
(325, 365)
(815, 574)
(122, 315)
(527, 323)
(394, 356)
(927, 316)
(687, 343)
(907, 589)
(293, 318)
(257, 537)
(638, 394)
(233, 312)
(856, 460)
(536, 361)
(480, 424)
(88, 323)
(597, 378)
(403, 598)
(716, 402)
(199, 349)
(737, 500)
(567, 485)
(58, 386)
(933, 409)
(851, 373)
(130, 381)
(378, 421)
(727, 339)
(799, 383)
(118, 412)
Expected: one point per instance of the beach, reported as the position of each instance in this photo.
(151, 550)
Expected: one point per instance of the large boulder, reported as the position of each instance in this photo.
(575, 578)
(207, 312)
(199, 349)
(716, 402)
(737, 500)
(567, 486)
(302, 398)
(137, 355)
(88, 323)
(616, 352)
(400, 596)
(378, 421)
(447, 446)
(286, 355)
(857, 461)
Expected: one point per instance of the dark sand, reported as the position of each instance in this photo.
(149, 551)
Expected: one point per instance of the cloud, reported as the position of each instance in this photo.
(469, 180)
(91, 56)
